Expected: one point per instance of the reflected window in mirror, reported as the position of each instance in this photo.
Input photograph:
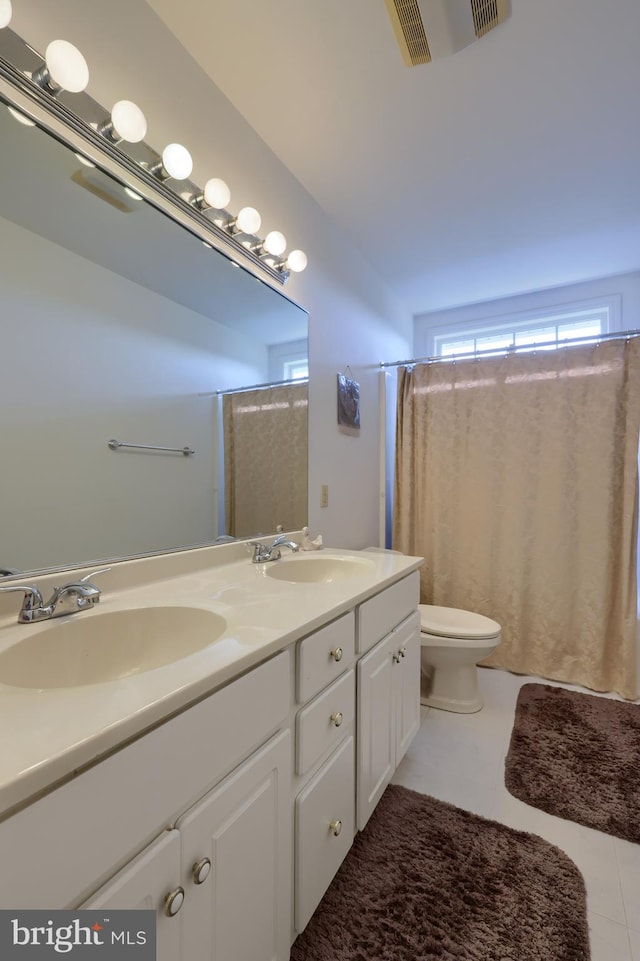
(289, 360)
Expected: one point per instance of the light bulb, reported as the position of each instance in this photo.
(129, 122)
(216, 193)
(67, 67)
(5, 13)
(20, 117)
(275, 243)
(177, 161)
(297, 261)
(248, 220)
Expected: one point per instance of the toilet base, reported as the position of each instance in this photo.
(453, 704)
(453, 689)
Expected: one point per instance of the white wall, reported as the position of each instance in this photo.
(626, 286)
(88, 356)
(353, 318)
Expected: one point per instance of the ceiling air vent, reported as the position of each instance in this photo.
(426, 29)
(485, 16)
(407, 23)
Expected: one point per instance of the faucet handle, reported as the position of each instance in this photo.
(257, 549)
(89, 577)
(32, 599)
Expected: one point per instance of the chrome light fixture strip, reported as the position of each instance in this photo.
(18, 61)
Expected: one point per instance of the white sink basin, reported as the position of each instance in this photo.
(96, 646)
(311, 569)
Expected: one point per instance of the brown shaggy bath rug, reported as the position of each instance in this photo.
(577, 756)
(426, 880)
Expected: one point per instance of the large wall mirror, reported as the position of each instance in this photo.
(118, 323)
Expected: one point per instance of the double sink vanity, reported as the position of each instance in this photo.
(205, 741)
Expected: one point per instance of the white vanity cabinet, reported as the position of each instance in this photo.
(219, 880)
(354, 730)
(230, 818)
(236, 863)
(324, 787)
(388, 679)
(129, 831)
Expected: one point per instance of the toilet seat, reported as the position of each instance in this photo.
(454, 624)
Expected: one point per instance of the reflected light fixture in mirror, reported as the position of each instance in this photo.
(20, 117)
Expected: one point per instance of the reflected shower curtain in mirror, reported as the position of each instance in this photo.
(265, 459)
(517, 480)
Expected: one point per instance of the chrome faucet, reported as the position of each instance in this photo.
(271, 552)
(69, 599)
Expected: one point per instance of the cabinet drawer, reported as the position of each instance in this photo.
(323, 656)
(84, 831)
(380, 614)
(322, 723)
(324, 830)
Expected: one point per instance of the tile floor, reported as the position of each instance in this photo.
(459, 758)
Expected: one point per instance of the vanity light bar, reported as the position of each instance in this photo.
(120, 135)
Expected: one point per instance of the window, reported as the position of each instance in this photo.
(295, 369)
(289, 361)
(544, 329)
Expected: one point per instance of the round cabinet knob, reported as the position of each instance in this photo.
(336, 653)
(173, 902)
(402, 652)
(396, 658)
(201, 870)
(335, 827)
(336, 719)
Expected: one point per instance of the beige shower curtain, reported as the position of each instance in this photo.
(516, 479)
(265, 459)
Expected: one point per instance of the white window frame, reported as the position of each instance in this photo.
(607, 310)
(285, 358)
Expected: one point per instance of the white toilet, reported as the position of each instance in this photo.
(452, 642)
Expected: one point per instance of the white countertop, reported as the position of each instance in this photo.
(47, 735)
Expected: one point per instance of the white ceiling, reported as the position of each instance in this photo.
(510, 166)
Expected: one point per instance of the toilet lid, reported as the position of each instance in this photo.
(451, 622)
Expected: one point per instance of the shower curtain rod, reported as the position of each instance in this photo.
(496, 351)
(272, 383)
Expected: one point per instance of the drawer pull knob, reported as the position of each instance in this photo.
(396, 658)
(335, 827)
(336, 719)
(402, 652)
(173, 902)
(201, 870)
(336, 653)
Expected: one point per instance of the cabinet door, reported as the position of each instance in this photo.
(376, 727)
(324, 812)
(240, 907)
(406, 645)
(145, 883)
